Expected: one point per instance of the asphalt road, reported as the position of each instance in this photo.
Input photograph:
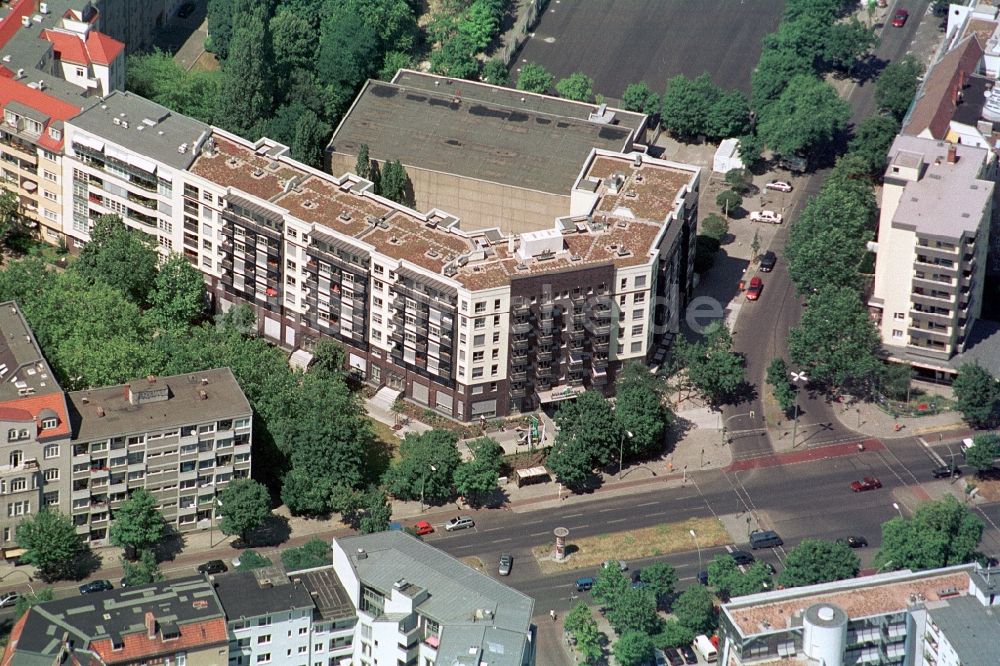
(617, 42)
(762, 327)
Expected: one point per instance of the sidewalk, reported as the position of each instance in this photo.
(867, 419)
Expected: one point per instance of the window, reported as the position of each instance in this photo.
(637, 330)
(51, 498)
(49, 423)
(81, 72)
(264, 658)
(638, 314)
(49, 156)
(640, 281)
(50, 215)
(18, 508)
(897, 334)
(477, 372)
(899, 315)
(636, 347)
(479, 340)
(477, 356)
(51, 451)
(496, 304)
(18, 484)
(51, 196)
(480, 307)
(639, 298)
(49, 176)
(32, 126)
(496, 337)
(303, 631)
(52, 474)
(266, 638)
(624, 283)
(11, 118)
(494, 370)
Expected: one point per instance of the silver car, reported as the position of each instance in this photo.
(459, 523)
(506, 562)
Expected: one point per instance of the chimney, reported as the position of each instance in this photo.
(202, 395)
(150, 625)
(100, 411)
(952, 153)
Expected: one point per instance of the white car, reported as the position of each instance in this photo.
(766, 216)
(9, 599)
(621, 565)
(779, 186)
(459, 523)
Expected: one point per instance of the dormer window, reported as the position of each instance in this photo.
(48, 424)
(32, 126)
(55, 134)
(11, 118)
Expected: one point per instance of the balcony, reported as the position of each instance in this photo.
(521, 328)
(519, 392)
(603, 329)
(519, 376)
(544, 354)
(520, 344)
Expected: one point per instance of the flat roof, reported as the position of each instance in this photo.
(949, 199)
(972, 629)
(479, 131)
(259, 592)
(328, 593)
(151, 130)
(223, 399)
(864, 596)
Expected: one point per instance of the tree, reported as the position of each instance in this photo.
(872, 139)
(137, 525)
(983, 452)
(477, 477)
(610, 585)
(640, 98)
(728, 116)
(158, 77)
(363, 166)
(309, 140)
(577, 86)
(774, 70)
(896, 383)
(634, 609)
(755, 246)
(377, 512)
(244, 506)
(712, 366)
(837, 341)
(724, 575)
(808, 115)
(778, 378)
(178, 294)
(847, 42)
(479, 23)
(729, 201)
(393, 182)
(392, 22)
(251, 559)
(246, 96)
(534, 78)
(571, 463)
(940, 534)
(585, 439)
(806, 35)
(495, 72)
(120, 257)
(581, 624)
(633, 648)
(739, 180)
(143, 570)
(686, 105)
(897, 84)
(392, 63)
(660, 580)
(51, 543)
(456, 57)
(695, 610)
(220, 26)
(349, 52)
(830, 256)
(756, 579)
(674, 634)
(715, 227)
(295, 38)
(11, 221)
(817, 561)
(426, 466)
(26, 601)
(311, 554)
(639, 409)
(976, 394)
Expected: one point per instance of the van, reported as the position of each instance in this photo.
(967, 444)
(584, 584)
(765, 539)
(706, 649)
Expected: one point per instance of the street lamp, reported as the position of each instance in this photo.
(796, 378)
(423, 483)
(896, 507)
(696, 545)
(621, 452)
(216, 503)
(23, 573)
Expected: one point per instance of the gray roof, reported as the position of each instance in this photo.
(21, 362)
(259, 592)
(949, 199)
(972, 629)
(223, 400)
(329, 594)
(457, 594)
(158, 141)
(479, 131)
(115, 613)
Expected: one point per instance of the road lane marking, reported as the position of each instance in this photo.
(501, 540)
(646, 504)
(576, 515)
(539, 533)
(620, 520)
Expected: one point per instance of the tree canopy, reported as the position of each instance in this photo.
(897, 85)
(983, 452)
(940, 534)
(534, 78)
(426, 467)
(712, 366)
(51, 543)
(313, 553)
(577, 86)
(119, 256)
(976, 394)
(586, 438)
(816, 561)
(138, 524)
(244, 505)
(806, 115)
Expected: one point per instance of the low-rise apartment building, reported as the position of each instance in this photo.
(173, 623)
(933, 238)
(938, 617)
(445, 315)
(182, 438)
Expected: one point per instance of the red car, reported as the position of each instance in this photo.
(423, 527)
(867, 483)
(756, 286)
(899, 18)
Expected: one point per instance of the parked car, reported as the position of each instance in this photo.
(186, 10)
(423, 527)
(212, 567)
(768, 216)
(854, 542)
(622, 566)
(506, 562)
(947, 471)
(899, 18)
(703, 577)
(967, 444)
(636, 576)
(690, 658)
(756, 286)
(9, 599)
(779, 186)
(459, 523)
(742, 557)
(674, 657)
(867, 483)
(96, 586)
(584, 584)
(767, 261)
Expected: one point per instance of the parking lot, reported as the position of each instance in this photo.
(617, 42)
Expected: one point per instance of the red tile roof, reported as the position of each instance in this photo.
(140, 646)
(15, 635)
(103, 49)
(55, 108)
(936, 102)
(68, 47)
(32, 405)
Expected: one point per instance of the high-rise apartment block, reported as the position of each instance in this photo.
(933, 238)
(938, 617)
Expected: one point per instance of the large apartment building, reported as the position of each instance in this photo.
(938, 617)
(933, 238)
(445, 315)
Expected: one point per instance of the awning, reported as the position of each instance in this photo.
(11, 553)
(120, 155)
(300, 359)
(93, 144)
(142, 163)
(531, 473)
(560, 393)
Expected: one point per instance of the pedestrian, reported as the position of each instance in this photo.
(552, 614)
